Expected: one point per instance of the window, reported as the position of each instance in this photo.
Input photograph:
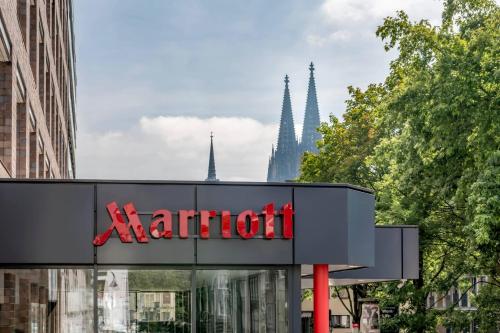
(33, 155)
(455, 295)
(47, 300)
(129, 300)
(61, 300)
(32, 42)
(340, 321)
(21, 87)
(447, 301)
(241, 300)
(41, 162)
(47, 167)
(307, 322)
(464, 302)
(22, 12)
(5, 45)
(430, 300)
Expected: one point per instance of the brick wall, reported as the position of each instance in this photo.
(39, 144)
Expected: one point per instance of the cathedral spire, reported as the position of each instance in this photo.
(310, 132)
(283, 164)
(211, 161)
(286, 136)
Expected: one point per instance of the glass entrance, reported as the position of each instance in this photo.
(144, 301)
(61, 300)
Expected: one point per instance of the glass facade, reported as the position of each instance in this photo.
(144, 300)
(241, 301)
(61, 300)
(46, 300)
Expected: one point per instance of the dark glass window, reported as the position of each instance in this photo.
(144, 300)
(464, 300)
(340, 321)
(307, 322)
(232, 301)
(455, 295)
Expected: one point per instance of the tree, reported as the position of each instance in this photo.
(428, 142)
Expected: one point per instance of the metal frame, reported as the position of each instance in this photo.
(185, 182)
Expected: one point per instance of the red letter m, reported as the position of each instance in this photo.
(121, 227)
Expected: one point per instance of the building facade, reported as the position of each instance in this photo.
(106, 256)
(37, 89)
(285, 160)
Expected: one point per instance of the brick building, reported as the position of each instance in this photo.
(37, 89)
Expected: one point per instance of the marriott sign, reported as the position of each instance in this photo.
(248, 223)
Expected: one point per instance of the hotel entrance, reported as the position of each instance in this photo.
(141, 300)
(161, 300)
(136, 300)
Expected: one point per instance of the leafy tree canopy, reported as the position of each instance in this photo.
(427, 141)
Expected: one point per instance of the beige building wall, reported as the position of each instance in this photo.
(37, 89)
(336, 308)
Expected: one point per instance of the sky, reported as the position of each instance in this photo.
(155, 77)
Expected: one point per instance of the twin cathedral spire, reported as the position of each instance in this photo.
(285, 158)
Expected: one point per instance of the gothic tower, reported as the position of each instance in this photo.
(285, 160)
(310, 132)
(283, 163)
(211, 162)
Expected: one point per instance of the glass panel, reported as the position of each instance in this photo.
(340, 321)
(46, 300)
(464, 301)
(144, 300)
(307, 322)
(241, 301)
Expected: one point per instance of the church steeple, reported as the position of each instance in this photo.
(283, 164)
(310, 132)
(211, 161)
(286, 136)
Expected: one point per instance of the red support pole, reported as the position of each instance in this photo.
(321, 299)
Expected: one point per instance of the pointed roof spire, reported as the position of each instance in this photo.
(286, 136)
(211, 161)
(284, 163)
(310, 132)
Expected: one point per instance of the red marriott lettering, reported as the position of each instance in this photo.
(247, 223)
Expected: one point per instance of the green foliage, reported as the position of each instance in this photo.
(346, 144)
(307, 294)
(428, 142)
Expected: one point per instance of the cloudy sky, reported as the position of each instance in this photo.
(156, 77)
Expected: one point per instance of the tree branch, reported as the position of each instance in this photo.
(341, 301)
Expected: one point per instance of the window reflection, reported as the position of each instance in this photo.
(144, 301)
(241, 301)
(46, 300)
(159, 300)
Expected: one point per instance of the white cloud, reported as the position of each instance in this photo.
(318, 40)
(176, 148)
(356, 11)
(346, 20)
